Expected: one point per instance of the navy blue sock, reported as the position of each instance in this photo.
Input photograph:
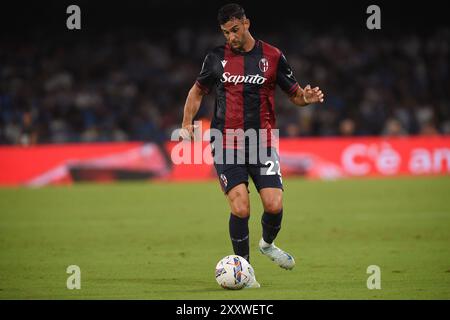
(271, 224)
(239, 236)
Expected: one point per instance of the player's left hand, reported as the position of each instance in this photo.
(312, 95)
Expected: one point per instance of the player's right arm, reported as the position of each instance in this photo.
(205, 81)
(193, 101)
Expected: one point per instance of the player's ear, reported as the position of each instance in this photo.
(247, 23)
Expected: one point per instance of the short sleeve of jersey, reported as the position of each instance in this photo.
(285, 77)
(208, 75)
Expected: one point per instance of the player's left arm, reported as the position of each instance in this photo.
(288, 83)
(306, 96)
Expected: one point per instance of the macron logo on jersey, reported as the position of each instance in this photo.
(290, 75)
(251, 78)
(224, 62)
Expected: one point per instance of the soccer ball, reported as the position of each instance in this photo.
(233, 272)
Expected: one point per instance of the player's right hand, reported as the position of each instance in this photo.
(187, 132)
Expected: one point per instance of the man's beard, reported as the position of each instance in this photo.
(239, 48)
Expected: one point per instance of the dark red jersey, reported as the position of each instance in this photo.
(245, 85)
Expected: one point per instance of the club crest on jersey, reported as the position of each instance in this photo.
(263, 65)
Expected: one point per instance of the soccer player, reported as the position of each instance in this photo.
(244, 73)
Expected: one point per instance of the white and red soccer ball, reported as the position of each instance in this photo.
(233, 272)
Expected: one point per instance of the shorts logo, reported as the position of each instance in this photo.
(224, 179)
(263, 65)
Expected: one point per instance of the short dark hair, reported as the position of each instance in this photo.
(230, 11)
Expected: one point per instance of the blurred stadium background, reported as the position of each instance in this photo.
(100, 104)
(122, 80)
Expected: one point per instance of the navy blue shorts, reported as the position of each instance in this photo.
(264, 173)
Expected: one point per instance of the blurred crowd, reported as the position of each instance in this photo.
(128, 85)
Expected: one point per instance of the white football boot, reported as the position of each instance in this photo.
(280, 257)
(252, 283)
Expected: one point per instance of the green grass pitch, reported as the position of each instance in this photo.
(162, 241)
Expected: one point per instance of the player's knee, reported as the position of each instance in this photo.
(273, 208)
(272, 200)
(239, 201)
(273, 205)
(242, 209)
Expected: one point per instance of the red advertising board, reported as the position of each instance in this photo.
(350, 157)
(55, 164)
(321, 158)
